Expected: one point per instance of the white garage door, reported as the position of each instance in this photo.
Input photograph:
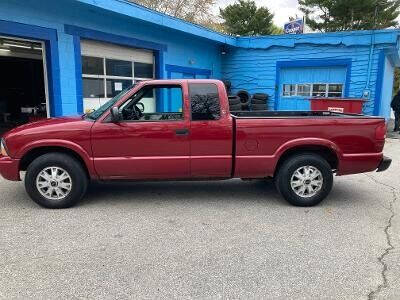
(108, 69)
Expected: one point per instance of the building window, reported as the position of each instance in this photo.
(289, 90)
(319, 90)
(303, 90)
(335, 90)
(308, 90)
(103, 78)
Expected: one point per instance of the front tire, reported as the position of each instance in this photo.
(305, 180)
(56, 180)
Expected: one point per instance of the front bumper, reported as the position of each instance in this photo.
(9, 168)
(384, 164)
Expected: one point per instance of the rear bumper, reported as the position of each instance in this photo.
(9, 168)
(384, 164)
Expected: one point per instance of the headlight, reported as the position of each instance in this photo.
(3, 151)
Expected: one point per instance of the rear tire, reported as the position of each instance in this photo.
(304, 179)
(56, 180)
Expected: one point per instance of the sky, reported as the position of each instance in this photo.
(282, 9)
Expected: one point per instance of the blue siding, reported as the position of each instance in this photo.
(256, 69)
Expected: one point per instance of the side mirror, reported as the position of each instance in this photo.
(115, 115)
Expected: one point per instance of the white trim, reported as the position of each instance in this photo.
(46, 80)
(312, 88)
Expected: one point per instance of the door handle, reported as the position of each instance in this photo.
(184, 131)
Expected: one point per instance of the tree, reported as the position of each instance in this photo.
(195, 11)
(340, 15)
(244, 18)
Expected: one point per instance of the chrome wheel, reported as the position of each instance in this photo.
(306, 181)
(54, 183)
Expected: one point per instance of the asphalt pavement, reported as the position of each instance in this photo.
(205, 240)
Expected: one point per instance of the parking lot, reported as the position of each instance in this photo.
(228, 239)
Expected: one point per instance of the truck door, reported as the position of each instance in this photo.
(152, 139)
(210, 132)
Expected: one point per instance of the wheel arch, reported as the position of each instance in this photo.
(326, 151)
(29, 154)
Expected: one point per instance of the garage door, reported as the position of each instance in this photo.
(108, 69)
(297, 85)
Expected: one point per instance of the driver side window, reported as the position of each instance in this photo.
(154, 103)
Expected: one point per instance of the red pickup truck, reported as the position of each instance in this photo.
(183, 130)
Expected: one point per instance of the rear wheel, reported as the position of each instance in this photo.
(56, 180)
(305, 179)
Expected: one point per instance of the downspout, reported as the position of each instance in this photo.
(371, 53)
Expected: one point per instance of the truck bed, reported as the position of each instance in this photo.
(295, 114)
(263, 136)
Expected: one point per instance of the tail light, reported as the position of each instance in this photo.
(380, 132)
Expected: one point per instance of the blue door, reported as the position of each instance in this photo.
(297, 85)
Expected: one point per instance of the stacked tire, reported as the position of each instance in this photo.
(244, 97)
(234, 103)
(259, 101)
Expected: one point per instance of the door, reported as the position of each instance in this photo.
(298, 85)
(210, 133)
(148, 143)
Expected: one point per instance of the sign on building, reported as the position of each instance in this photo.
(294, 27)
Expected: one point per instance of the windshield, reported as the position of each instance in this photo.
(106, 106)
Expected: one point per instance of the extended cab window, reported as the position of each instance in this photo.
(204, 99)
(154, 103)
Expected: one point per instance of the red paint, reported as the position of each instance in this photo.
(242, 147)
(341, 105)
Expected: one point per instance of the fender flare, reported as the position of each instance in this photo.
(304, 142)
(79, 150)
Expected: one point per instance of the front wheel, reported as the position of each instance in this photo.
(56, 180)
(305, 179)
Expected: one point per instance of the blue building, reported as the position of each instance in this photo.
(68, 56)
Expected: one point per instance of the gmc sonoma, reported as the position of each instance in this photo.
(183, 130)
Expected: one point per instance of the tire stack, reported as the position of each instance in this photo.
(244, 97)
(234, 103)
(259, 101)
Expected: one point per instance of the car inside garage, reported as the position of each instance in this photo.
(23, 96)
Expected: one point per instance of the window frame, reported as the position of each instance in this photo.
(120, 107)
(311, 89)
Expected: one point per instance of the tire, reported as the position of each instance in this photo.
(259, 107)
(258, 101)
(78, 180)
(286, 176)
(260, 96)
(236, 107)
(245, 107)
(233, 100)
(244, 96)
